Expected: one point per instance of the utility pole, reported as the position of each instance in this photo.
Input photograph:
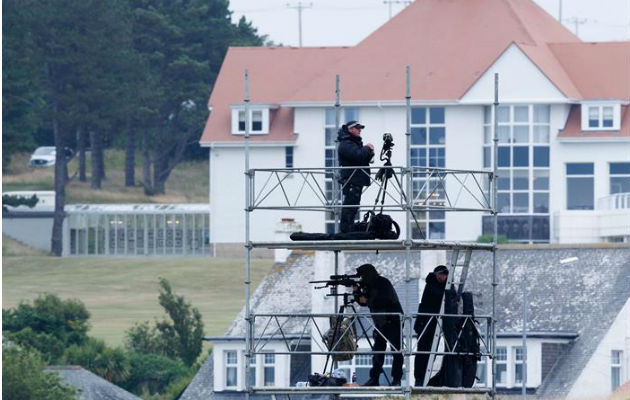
(560, 11)
(299, 9)
(390, 2)
(576, 22)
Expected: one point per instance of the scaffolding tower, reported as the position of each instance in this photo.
(468, 191)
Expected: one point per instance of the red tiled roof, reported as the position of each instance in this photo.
(448, 44)
(573, 127)
(599, 70)
(275, 73)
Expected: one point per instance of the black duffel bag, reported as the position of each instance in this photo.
(380, 225)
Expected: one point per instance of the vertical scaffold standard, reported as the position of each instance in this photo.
(303, 189)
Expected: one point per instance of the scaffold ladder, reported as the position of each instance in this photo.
(457, 261)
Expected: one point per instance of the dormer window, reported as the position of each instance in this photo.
(597, 117)
(258, 120)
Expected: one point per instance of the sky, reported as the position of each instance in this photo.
(347, 22)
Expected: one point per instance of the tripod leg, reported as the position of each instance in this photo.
(334, 338)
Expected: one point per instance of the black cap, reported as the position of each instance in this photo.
(355, 124)
(441, 269)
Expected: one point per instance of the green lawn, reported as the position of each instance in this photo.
(121, 291)
(188, 182)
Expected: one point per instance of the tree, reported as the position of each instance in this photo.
(24, 378)
(65, 320)
(184, 43)
(179, 337)
(22, 90)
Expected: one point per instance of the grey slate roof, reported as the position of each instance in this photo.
(581, 297)
(584, 297)
(90, 386)
(287, 289)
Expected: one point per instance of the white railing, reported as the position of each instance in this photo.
(617, 201)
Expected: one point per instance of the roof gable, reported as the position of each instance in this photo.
(519, 79)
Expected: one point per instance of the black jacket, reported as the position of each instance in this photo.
(431, 301)
(381, 297)
(351, 153)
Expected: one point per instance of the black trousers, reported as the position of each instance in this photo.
(351, 197)
(391, 331)
(424, 344)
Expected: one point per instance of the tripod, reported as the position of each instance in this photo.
(384, 175)
(348, 299)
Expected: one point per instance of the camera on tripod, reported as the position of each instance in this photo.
(388, 143)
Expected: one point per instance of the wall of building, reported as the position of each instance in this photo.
(282, 363)
(595, 379)
(581, 226)
(33, 232)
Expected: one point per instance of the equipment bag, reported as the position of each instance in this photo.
(342, 336)
(382, 226)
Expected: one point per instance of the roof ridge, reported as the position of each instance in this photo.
(520, 22)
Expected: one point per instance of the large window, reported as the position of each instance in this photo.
(615, 368)
(231, 368)
(428, 149)
(501, 364)
(580, 182)
(269, 369)
(518, 365)
(330, 143)
(619, 178)
(481, 372)
(523, 169)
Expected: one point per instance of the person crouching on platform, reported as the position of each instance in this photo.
(352, 153)
(424, 326)
(379, 295)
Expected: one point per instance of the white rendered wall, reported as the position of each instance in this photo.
(282, 364)
(464, 150)
(520, 81)
(595, 379)
(580, 226)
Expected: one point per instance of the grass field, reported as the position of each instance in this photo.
(188, 182)
(121, 291)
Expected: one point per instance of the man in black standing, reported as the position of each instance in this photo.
(379, 295)
(352, 153)
(424, 326)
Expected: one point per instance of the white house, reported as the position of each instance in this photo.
(578, 323)
(564, 119)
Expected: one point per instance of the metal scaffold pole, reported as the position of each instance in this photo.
(336, 189)
(248, 321)
(408, 236)
(495, 151)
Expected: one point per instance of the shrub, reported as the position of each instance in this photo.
(152, 373)
(23, 377)
(487, 238)
(94, 355)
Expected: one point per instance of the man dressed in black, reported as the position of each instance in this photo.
(352, 153)
(424, 326)
(379, 295)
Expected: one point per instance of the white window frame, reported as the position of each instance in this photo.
(616, 111)
(616, 366)
(503, 362)
(426, 218)
(240, 110)
(615, 175)
(532, 143)
(568, 176)
(267, 364)
(228, 366)
(517, 362)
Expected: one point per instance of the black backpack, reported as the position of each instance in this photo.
(380, 225)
